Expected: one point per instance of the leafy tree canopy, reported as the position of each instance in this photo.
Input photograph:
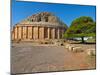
(81, 27)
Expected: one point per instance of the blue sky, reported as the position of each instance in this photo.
(66, 12)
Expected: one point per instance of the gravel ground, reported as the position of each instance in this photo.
(30, 58)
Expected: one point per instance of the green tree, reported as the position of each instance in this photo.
(81, 27)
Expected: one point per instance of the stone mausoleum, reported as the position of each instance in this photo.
(41, 26)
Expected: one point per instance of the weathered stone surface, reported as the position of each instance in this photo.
(52, 19)
(44, 17)
(38, 27)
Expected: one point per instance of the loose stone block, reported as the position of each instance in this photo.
(91, 52)
(77, 49)
(67, 46)
(70, 48)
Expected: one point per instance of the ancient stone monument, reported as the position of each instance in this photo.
(39, 26)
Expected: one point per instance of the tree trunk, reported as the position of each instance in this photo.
(82, 39)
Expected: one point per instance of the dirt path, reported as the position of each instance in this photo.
(27, 58)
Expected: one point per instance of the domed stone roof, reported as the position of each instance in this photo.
(43, 18)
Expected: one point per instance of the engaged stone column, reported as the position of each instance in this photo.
(32, 32)
(41, 32)
(19, 32)
(62, 33)
(48, 33)
(53, 33)
(24, 32)
(12, 35)
(16, 34)
(58, 33)
(36, 32)
(29, 32)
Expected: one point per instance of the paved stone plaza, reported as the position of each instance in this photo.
(30, 58)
